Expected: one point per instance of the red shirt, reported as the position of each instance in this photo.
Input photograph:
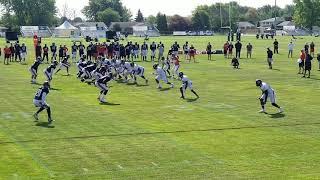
(7, 51)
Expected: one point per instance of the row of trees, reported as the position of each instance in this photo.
(213, 17)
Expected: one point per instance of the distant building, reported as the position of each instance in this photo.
(272, 21)
(92, 29)
(3, 31)
(286, 26)
(124, 26)
(145, 30)
(246, 27)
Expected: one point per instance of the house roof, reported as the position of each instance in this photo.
(90, 24)
(124, 25)
(245, 24)
(66, 25)
(286, 23)
(279, 19)
(3, 28)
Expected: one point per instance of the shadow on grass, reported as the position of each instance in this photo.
(191, 100)
(66, 75)
(44, 125)
(55, 89)
(131, 84)
(315, 79)
(142, 85)
(277, 116)
(276, 69)
(165, 89)
(109, 104)
(38, 84)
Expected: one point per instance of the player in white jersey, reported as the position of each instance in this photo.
(166, 65)
(40, 101)
(267, 92)
(186, 83)
(161, 75)
(127, 70)
(138, 71)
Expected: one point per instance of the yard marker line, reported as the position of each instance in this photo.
(85, 169)
(120, 167)
(155, 164)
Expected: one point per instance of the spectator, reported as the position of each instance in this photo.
(209, 51)
(307, 65)
(249, 50)
(235, 63)
(312, 49)
(7, 55)
(230, 48)
(53, 49)
(186, 51)
(301, 61)
(225, 49)
(17, 52)
(290, 49)
(318, 58)
(23, 52)
(306, 48)
(38, 50)
(12, 52)
(192, 53)
(45, 53)
(161, 51)
(238, 47)
(276, 46)
(60, 53)
(269, 58)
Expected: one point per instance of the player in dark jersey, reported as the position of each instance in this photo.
(64, 64)
(48, 72)
(102, 85)
(87, 72)
(34, 70)
(53, 49)
(40, 101)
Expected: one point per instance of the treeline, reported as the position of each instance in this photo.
(205, 17)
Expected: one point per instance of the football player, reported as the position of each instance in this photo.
(48, 72)
(161, 75)
(40, 101)
(166, 65)
(186, 83)
(267, 92)
(34, 70)
(64, 64)
(102, 85)
(138, 71)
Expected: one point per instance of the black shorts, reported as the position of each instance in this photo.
(301, 64)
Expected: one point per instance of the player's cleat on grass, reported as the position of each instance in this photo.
(280, 110)
(147, 81)
(36, 118)
(172, 86)
(262, 111)
(182, 97)
(50, 121)
(103, 100)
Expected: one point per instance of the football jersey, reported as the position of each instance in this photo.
(138, 69)
(160, 72)
(104, 79)
(41, 94)
(51, 68)
(36, 65)
(185, 79)
(266, 87)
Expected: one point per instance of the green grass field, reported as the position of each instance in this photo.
(152, 134)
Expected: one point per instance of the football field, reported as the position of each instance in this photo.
(146, 133)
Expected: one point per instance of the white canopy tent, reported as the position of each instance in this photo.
(66, 30)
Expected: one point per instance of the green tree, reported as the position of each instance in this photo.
(77, 20)
(30, 12)
(179, 23)
(151, 20)
(201, 20)
(139, 17)
(108, 15)
(95, 6)
(307, 13)
(162, 23)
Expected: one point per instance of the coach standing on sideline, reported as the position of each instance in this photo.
(238, 47)
(276, 46)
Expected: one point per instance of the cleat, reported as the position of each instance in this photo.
(172, 86)
(35, 116)
(182, 97)
(147, 81)
(280, 110)
(262, 111)
(50, 121)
